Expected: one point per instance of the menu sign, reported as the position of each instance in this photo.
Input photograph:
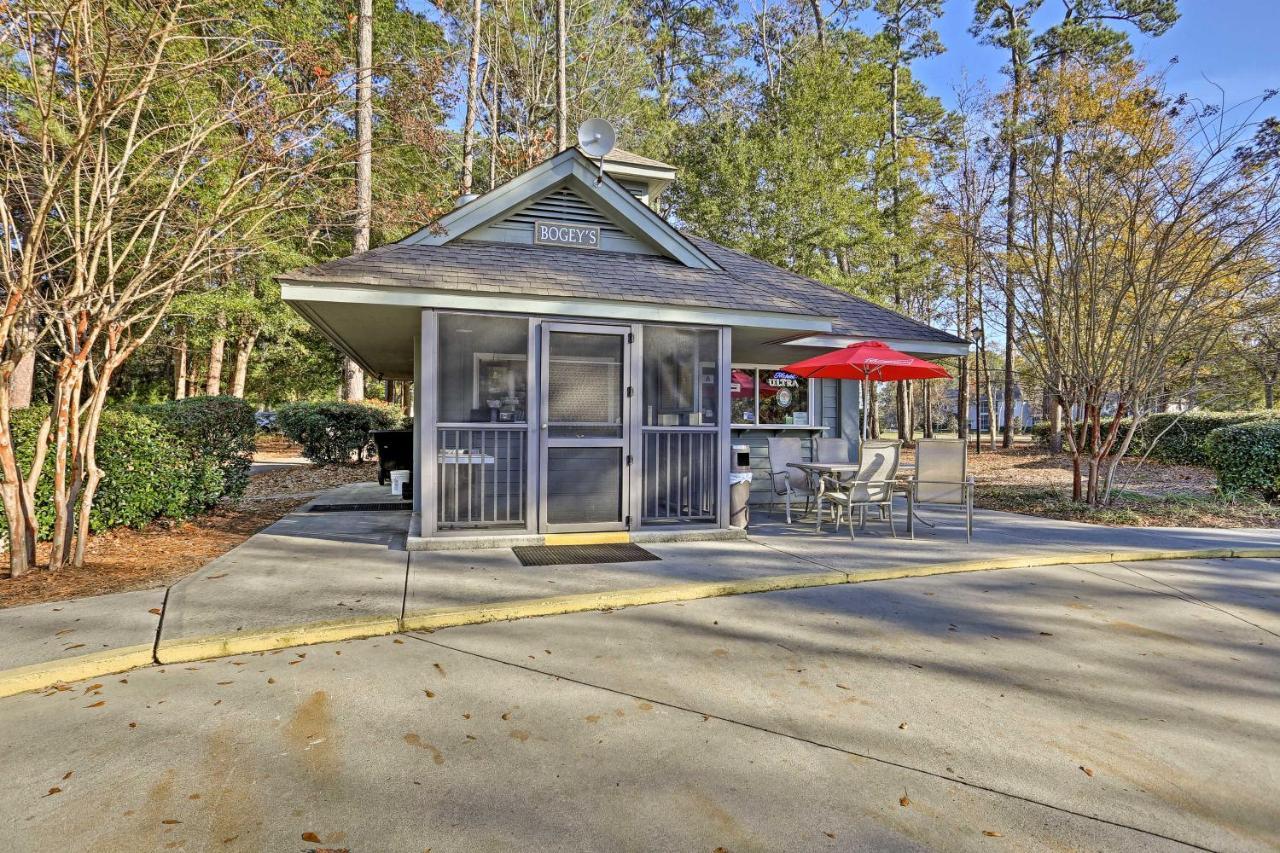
(546, 233)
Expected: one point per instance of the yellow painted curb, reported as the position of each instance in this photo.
(43, 675)
(38, 676)
(452, 617)
(1264, 553)
(203, 648)
(615, 537)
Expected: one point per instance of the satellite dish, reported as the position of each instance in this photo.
(596, 137)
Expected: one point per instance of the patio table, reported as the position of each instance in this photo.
(816, 470)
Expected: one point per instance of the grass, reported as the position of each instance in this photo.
(1133, 509)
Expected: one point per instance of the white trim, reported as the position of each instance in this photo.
(641, 312)
(569, 168)
(904, 344)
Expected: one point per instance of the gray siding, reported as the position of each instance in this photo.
(560, 205)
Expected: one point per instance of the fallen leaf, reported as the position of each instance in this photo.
(1045, 634)
(902, 725)
(92, 687)
(439, 669)
(1087, 771)
(904, 800)
(311, 836)
(506, 715)
(843, 686)
(398, 641)
(829, 834)
(63, 631)
(68, 775)
(155, 611)
(133, 725)
(97, 704)
(225, 683)
(271, 681)
(170, 822)
(54, 790)
(430, 695)
(992, 834)
(74, 646)
(215, 577)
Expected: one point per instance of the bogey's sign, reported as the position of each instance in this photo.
(564, 234)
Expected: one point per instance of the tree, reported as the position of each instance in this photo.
(1163, 217)
(352, 375)
(909, 35)
(127, 173)
(473, 100)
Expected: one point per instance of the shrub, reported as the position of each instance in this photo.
(219, 430)
(1246, 457)
(147, 472)
(332, 432)
(1184, 442)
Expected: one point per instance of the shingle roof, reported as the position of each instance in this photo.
(618, 155)
(527, 270)
(853, 316)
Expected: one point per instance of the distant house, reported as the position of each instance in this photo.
(980, 413)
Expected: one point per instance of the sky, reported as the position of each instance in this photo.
(1230, 43)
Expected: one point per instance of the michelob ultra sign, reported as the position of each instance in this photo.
(548, 233)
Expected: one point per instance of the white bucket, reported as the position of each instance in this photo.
(398, 479)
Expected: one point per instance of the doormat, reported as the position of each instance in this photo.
(365, 507)
(570, 555)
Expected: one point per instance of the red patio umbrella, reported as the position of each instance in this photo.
(868, 361)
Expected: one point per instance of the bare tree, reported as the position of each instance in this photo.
(124, 176)
(1162, 218)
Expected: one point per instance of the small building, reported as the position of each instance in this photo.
(580, 364)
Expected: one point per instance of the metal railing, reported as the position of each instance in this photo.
(679, 467)
(480, 476)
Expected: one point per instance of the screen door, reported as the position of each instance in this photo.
(585, 430)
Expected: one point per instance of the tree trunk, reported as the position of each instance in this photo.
(819, 22)
(22, 382)
(213, 382)
(1269, 394)
(180, 367)
(244, 349)
(925, 403)
(562, 96)
(1010, 317)
(11, 494)
(352, 375)
(473, 98)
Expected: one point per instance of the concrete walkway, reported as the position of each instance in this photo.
(1099, 707)
(319, 576)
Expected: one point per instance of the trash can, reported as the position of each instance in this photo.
(740, 486)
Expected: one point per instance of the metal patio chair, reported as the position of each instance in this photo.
(832, 450)
(872, 486)
(785, 481)
(942, 477)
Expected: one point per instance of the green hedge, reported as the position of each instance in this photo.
(147, 472)
(1246, 457)
(333, 432)
(1183, 439)
(218, 429)
(1184, 442)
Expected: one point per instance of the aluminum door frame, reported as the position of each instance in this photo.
(630, 395)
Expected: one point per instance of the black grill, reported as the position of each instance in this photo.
(569, 555)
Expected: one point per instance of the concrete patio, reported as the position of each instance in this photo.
(323, 575)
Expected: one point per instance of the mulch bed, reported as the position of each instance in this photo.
(164, 551)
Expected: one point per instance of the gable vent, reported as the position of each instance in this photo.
(564, 205)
